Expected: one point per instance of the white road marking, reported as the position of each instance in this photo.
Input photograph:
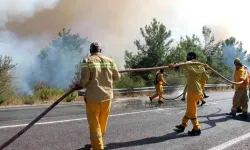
(37, 106)
(160, 109)
(78, 119)
(222, 100)
(231, 142)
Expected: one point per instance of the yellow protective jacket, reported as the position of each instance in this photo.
(97, 76)
(239, 75)
(160, 79)
(194, 75)
(204, 78)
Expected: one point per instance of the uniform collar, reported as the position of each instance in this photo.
(98, 53)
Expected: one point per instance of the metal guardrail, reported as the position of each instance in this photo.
(150, 89)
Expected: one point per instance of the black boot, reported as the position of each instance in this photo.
(88, 147)
(150, 98)
(198, 102)
(160, 102)
(180, 128)
(203, 102)
(183, 99)
(231, 114)
(194, 132)
(239, 110)
(205, 96)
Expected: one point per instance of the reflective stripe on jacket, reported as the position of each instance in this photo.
(97, 76)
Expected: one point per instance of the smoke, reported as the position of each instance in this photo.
(28, 27)
(16, 10)
(231, 52)
(23, 54)
(23, 51)
(57, 68)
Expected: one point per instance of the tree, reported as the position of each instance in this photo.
(153, 52)
(55, 65)
(187, 44)
(7, 89)
(214, 52)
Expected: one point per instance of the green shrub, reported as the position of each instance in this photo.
(129, 82)
(48, 93)
(2, 99)
(44, 94)
(71, 97)
(39, 86)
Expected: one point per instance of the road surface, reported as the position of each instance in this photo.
(133, 124)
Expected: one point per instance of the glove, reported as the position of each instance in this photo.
(78, 86)
(171, 65)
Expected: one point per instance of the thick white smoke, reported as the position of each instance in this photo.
(23, 52)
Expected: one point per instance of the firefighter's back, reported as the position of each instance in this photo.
(100, 85)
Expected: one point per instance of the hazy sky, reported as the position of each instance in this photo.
(115, 23)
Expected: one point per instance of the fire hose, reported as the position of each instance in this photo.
(183, 93)
(182, 64)
(178, 65)
(73, 89)
(172, 98)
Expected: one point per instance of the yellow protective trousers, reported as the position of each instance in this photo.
(191, 110)
(97, 114)
(240, 99)
(159, 92)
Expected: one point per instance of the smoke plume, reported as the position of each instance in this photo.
(16, 10)
(28, 27)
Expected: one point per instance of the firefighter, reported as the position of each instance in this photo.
(240, 98)
(159, 81)
(185, 92)
(239, 109)
(203, 81)
(194, 94)
(97, 76)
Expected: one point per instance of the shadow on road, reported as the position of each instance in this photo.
(173, 135)
(212, 122)
(145, 141)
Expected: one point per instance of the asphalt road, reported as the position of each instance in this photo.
(133, 124)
